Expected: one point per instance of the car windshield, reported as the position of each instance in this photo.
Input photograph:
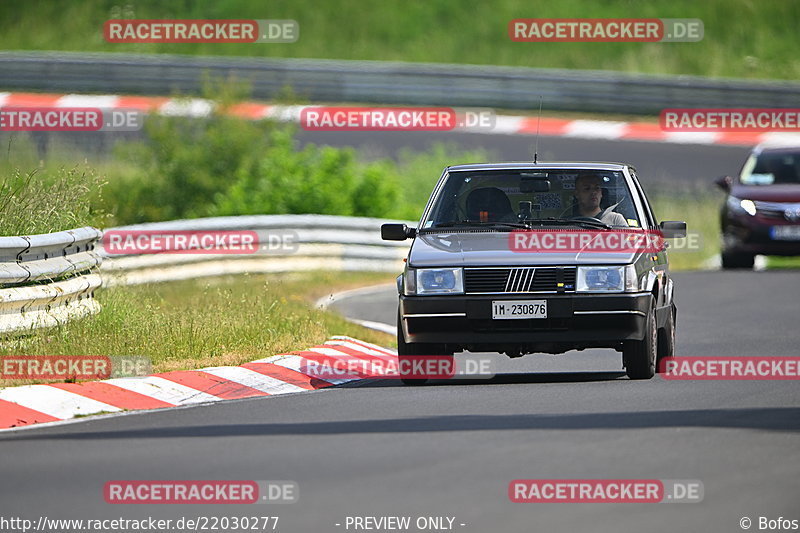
(771, 167)
(505, 199)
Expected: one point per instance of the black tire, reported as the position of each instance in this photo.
(406, 349)
(737, 260)
(666, 338)
(639, 357)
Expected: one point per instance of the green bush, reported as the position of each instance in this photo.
(223, 166)
(322, 180)
(188, 162)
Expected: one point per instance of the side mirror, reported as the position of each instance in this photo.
(724, 183)
(672, 229)
(397, 232)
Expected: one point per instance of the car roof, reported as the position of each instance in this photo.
(542, 165)
(777, 149)
(779, 143)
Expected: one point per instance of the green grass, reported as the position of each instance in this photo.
(38, 197)
(743, 38)
(783, 263)
(700, 210)
(207, 322)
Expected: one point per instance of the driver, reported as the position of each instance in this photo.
(588, 194)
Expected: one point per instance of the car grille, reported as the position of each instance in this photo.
(518, 280)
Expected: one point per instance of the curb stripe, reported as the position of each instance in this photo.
(274, 375)
(106, 101)
(330, 360)
(595, 129)
(192, 107)
(548, 126)
(141, 103)
(15, 415)
(32, 99)
(643, 131)
(366, 347)
(298, 364)
(55, 402)
(211, 384)
(363, 355)
(163, 389)
(288, 375)
(504, 124)
(251, 378)
(249, 110)
(112, 395)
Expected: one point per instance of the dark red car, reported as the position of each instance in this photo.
(761, 214)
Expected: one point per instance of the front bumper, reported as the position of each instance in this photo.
(573, 320)
(751, 235)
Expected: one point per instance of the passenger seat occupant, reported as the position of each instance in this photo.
(489, 204)
(588, 195)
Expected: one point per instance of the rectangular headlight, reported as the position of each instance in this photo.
(440, 281)
(601, 279)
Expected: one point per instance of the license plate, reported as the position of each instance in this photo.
(785, 233)
(510, 309)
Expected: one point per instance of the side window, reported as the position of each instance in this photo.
(651, 219)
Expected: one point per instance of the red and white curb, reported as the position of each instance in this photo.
(271, 376)
(505, 124)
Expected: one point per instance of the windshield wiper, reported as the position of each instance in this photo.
(570, 221)
(476, 224)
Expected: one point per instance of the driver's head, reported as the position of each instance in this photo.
(588, 192)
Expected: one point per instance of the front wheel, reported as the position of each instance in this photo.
(737, 260)
(639, 357)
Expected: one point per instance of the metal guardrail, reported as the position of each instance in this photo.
(324, 242)
(33, 295)
(389, 82)
(47, 279)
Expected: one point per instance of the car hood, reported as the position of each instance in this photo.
(479, 248)
(781, 192)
